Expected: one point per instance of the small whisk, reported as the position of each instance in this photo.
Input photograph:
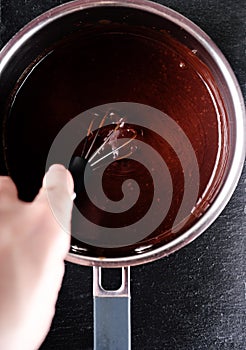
(78, 163)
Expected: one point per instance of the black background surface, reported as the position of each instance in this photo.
(196, 298)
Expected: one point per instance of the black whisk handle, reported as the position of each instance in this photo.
(77, 167)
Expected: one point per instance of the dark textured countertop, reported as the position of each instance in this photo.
(196, 298)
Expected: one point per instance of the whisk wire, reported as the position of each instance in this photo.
(94, 140)
(104, 143)
(113, 151)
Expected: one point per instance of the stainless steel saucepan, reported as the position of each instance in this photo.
(112, 308)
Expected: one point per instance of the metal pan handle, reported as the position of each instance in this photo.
(112, 323)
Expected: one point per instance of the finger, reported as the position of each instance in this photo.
(7, 188)
(57, 193)
(58, 174)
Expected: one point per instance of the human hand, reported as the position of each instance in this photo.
(33, 246)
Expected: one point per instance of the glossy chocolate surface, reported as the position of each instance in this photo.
(116, 63)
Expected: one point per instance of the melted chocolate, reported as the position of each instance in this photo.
(112, 64)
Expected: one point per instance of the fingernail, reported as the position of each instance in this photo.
(44, 181)
(55, 167)
(52, 168)
(70, 182)
(74, 196)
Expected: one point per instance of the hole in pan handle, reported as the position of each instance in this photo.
(112, 321)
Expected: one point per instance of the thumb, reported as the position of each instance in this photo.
(57, 193)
